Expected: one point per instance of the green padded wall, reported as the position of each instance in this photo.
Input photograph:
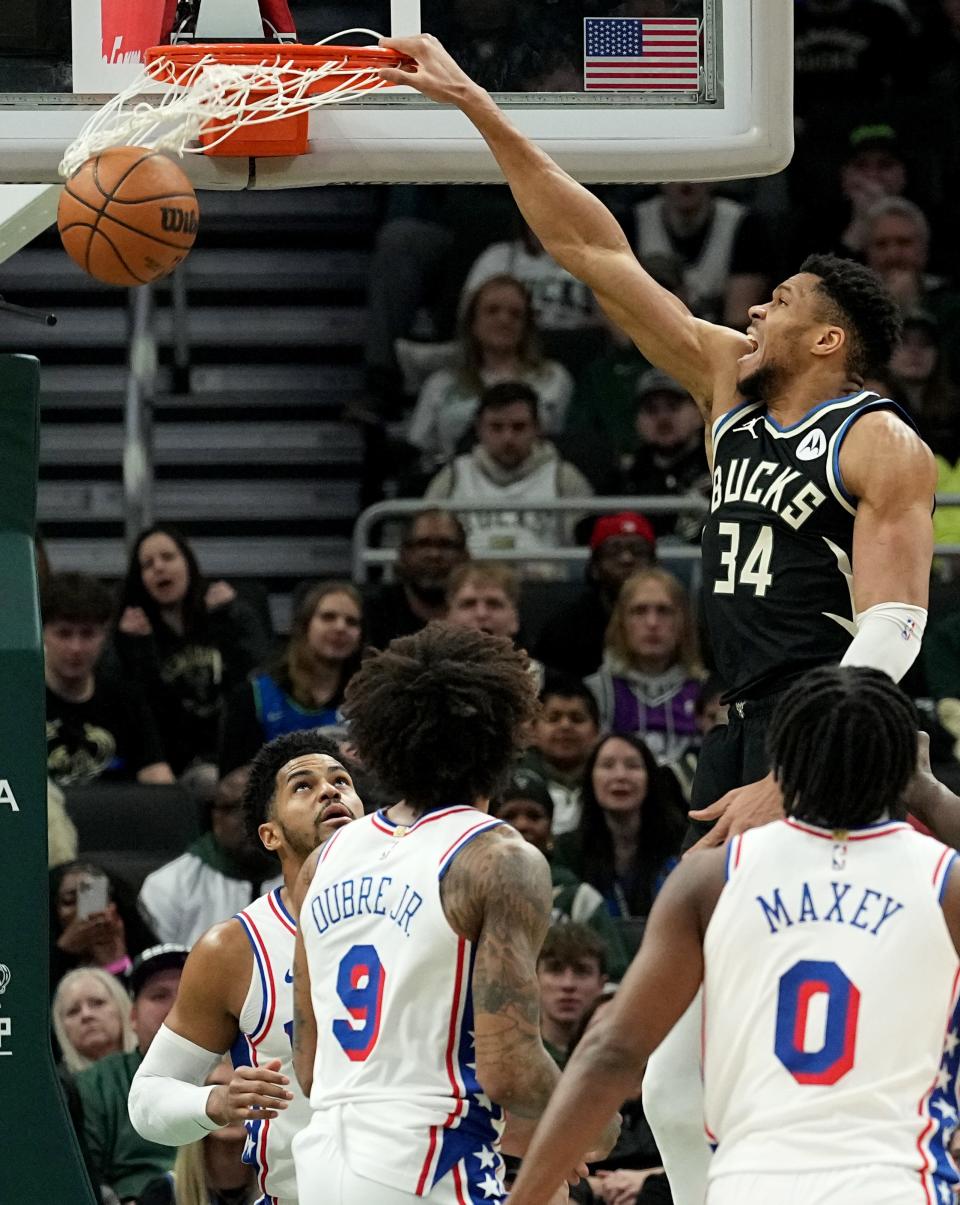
(38, 1151)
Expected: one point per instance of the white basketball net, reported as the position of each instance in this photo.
(218, 96)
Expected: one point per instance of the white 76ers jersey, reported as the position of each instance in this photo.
(395, 1074)
(831, 1006)
(266, 1026)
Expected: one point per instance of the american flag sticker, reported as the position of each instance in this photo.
(641, 54)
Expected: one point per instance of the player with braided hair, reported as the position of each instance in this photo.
(416, 1004)
(818, 544)
(827, 944)
(815, 740)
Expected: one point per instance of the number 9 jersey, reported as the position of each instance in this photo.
(395, 1090)
(778, 544)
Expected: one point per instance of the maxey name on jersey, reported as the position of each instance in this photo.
(832, 903)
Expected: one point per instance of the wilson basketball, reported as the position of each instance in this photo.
(128, 216)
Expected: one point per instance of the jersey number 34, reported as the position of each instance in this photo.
(755, 568)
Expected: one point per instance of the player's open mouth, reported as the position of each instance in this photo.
(335, 811)
(754, 348)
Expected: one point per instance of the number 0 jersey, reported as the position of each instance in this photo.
(830, 1006)
(778, 544)
(266, 1021)
(394, 1076)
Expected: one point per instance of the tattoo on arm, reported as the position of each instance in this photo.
(498, 894)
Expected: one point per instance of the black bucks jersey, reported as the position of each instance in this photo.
(777, 545)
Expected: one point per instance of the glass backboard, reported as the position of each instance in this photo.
(635, 91)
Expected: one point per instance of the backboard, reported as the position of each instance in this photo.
(630, 91)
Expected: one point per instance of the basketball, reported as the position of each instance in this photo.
(128, 216)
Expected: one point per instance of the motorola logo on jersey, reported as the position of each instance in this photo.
(813, 445)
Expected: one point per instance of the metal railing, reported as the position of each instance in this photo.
(364, 557)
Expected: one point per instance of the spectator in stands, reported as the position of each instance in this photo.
(186, 643)
(573, 639)
(91, 1018)
(210, 1171)
(304, 687)
(432, 544)
(921, 383)
(632, 1173)
(527, 806)
(97, 729)
(874, 169)
(849, 54)
(486, 596)
(897, 246)
(834, 218)
(121, 1159)
(511, 463)
(561, 303)
(630, 830)
(651, 675)
(109, 939)
(723, 248)
(497, 343)
(571, 972)
(564, 733)
(429, 238)
(603, 409)
(671, 458)
(709, 712)
(221, 873)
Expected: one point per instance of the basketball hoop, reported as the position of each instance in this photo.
(236, 98)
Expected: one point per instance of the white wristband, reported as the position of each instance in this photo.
(888, 638)
(168, 1096)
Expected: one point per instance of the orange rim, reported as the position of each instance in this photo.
(297, 55)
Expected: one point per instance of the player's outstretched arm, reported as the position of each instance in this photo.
(582, 235)
(609, 1062)
(304, 1020)
(169, 1101)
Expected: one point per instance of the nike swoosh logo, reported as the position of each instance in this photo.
(288, 978)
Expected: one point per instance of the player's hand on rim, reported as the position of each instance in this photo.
(742, 808)
(253, 1093)
(434, 72)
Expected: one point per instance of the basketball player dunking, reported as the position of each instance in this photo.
(416, 1007)
(818, 546)
(236, 994)
(827, 947)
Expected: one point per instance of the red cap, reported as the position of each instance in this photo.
(627, 523)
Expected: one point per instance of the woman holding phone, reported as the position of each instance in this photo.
(94, 921)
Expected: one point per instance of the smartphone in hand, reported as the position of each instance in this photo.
(91, 895)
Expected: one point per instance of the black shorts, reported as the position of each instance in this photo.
(732, 755)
